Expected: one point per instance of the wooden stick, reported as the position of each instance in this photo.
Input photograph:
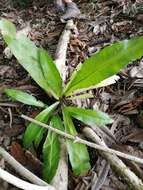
(21, 183)
(22, 170)
(82, 141)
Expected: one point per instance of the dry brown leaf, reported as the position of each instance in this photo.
(27, 159)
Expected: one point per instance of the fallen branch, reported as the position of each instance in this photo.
(21, 183)
(22, 170)
(119, 167)
(82, 141)
(60, 180)
(61, 51)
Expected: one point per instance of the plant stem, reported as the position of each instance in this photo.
(82, 141)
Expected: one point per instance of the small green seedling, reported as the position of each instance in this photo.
(88, 75)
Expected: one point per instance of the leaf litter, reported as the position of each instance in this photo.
(100, 24)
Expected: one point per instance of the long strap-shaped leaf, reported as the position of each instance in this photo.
(35, 60)
(8, 30)
(51, 150)
(33, 130)
(104, 64)
(50, 72)
(78, 153)
(24, 97)
(30, 57)
(89, 117)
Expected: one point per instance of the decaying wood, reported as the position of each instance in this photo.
(127, 175)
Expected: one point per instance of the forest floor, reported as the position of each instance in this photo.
(99, 25)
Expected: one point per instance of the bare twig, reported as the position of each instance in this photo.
(8, 105)
(22, 170)
(90, 144)
(21, 183)
(10, 117)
